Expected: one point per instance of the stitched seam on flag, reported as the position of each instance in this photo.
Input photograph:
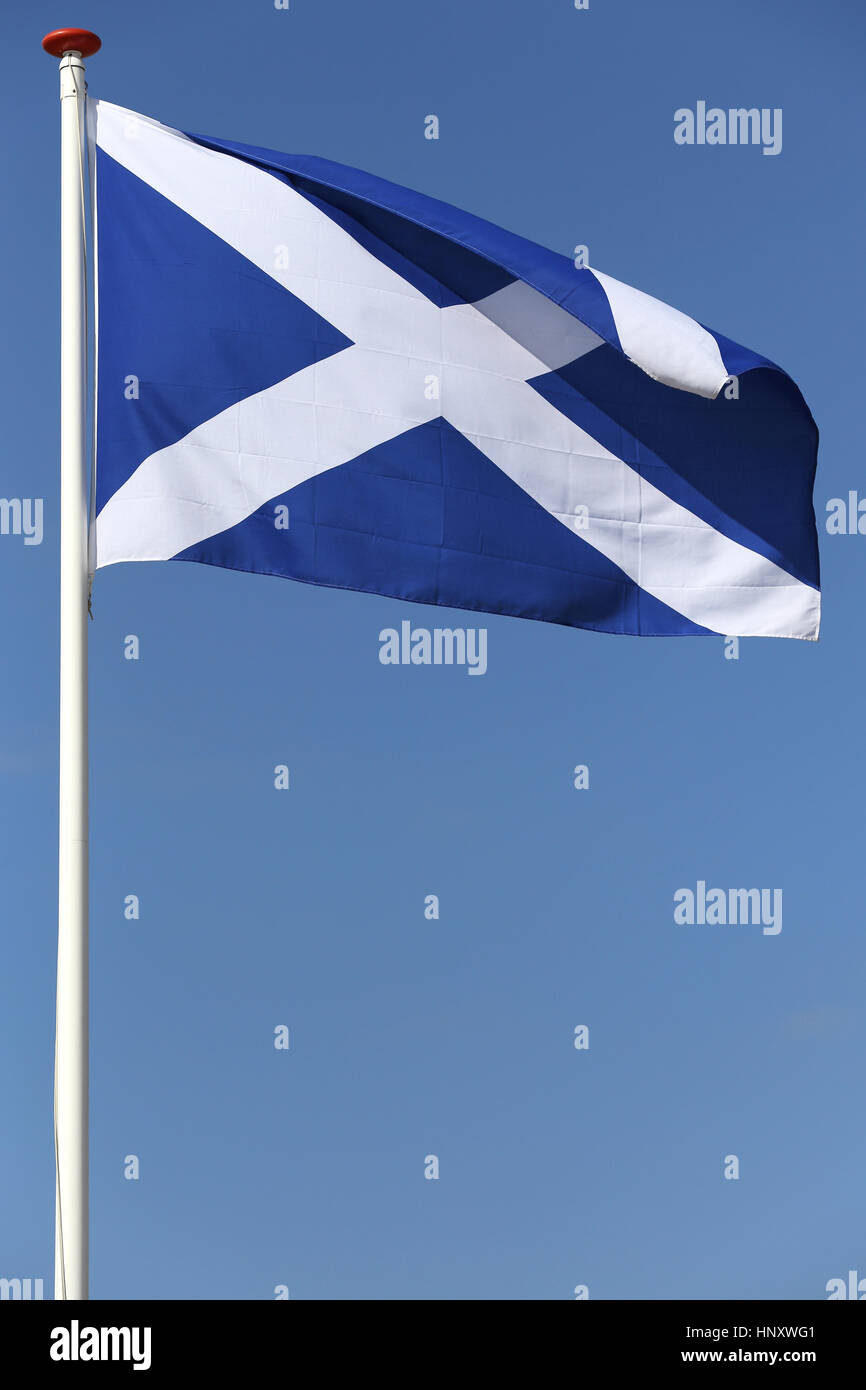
(624, 583)
(564, 518)
(612, 520)
(558, 569)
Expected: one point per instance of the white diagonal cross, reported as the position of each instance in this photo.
(482, 356)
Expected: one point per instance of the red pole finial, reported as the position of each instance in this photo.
(61, 41)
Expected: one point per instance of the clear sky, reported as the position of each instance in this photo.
(453, 1037)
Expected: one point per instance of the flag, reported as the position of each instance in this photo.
(304, 370)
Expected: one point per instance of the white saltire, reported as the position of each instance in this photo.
(481, 356)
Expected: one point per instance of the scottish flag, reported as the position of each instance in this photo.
(304, 370)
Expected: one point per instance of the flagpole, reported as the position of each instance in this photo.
(72, 1036)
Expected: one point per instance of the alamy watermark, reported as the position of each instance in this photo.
(853, 1287)
(739, 125)
(22, 516)
(846, 516)
(720, 907)
(21, 1289)
(441, 646)
(77, 1343)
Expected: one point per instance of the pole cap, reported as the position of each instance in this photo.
(61, 41)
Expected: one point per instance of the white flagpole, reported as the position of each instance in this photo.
(72, 1038)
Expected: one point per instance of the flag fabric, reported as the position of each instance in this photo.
(305, 370)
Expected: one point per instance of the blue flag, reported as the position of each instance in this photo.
(304, 370)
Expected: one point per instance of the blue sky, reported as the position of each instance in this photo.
(454, 1037)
